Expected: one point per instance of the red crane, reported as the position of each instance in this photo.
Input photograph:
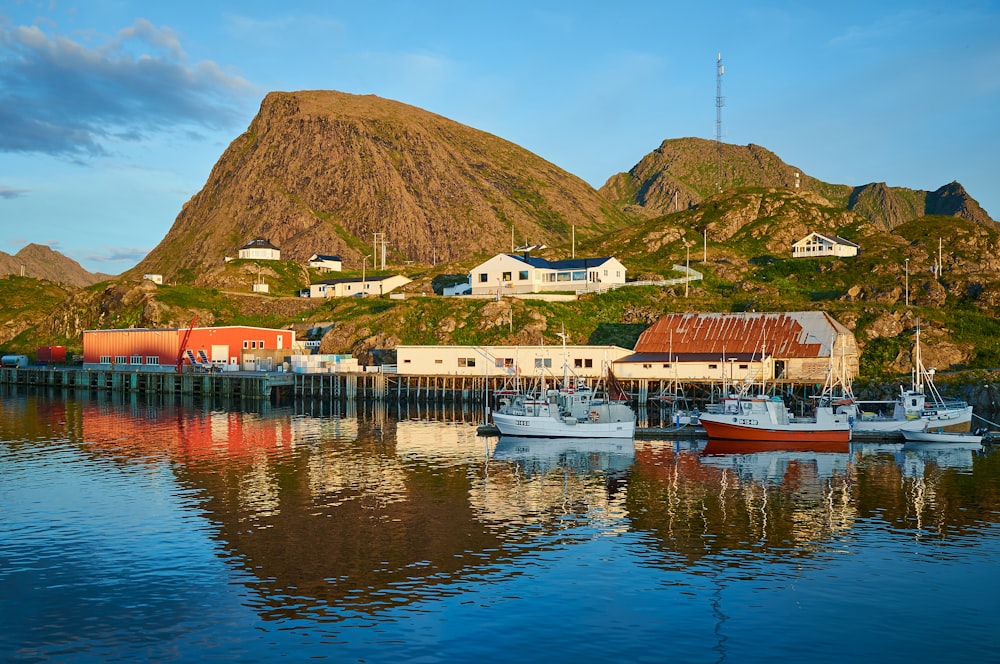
(184, 343)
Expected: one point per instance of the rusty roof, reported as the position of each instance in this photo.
(803, 334)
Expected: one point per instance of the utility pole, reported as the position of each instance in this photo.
(906, 263)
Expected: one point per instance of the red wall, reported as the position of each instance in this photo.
(165, 343)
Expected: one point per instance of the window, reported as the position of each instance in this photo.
(466, 361)
(588, 363)
(483, 277)
(579, 275)
(105, 359)
(666, 365)
(713, 366)
(744, 366)
(246, 344)
(135, 359)
(121, 359)
(522, 275)
(647, 366)
(406, 361)
(152, 359)
(578, 363)
(260, 344)
(438, 361)
(541, 362)
(506, 276)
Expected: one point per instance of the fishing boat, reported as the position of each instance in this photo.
(767, 419)
(915, 409)
(574, 409)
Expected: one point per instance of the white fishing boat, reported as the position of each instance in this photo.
(575, 409)
(915, 409)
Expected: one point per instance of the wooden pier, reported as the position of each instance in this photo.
(362, 386)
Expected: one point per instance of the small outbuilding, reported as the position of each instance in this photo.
(326, 263)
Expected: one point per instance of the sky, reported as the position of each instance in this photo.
(113, 112)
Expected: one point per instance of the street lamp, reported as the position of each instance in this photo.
(906, 263)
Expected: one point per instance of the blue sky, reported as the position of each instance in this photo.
(112, 113)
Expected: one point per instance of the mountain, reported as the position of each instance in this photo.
(683, 172)
(41, 262)
(322, 171)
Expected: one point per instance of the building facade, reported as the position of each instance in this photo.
(526, 361)
(357, 287)
(325, 263)
(523, 273)
(799, 347)
(818, 244)
(260, 249)
(151, 349)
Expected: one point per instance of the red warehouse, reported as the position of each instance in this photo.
(157, 349)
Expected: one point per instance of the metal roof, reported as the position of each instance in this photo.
(568, 264)
(801, 334)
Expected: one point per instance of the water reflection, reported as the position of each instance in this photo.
(342, 511)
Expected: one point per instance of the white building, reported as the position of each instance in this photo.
(526, 361)
(260, 249)
(513, 273)
(325, 263)
(818, 244)
(357, 287)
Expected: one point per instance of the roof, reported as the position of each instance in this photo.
(259, 243)
(801, 334)
(637, 358)
(324, 257)
(568, 264)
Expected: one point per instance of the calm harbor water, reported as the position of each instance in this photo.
(179, 532)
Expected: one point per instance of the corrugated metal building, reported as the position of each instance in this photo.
(798, 347)
(154, 348)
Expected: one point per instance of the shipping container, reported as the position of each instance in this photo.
(49, 354)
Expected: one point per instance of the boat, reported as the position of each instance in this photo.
(575, 409)
(943, 437)
(916, 409)
(766, 419)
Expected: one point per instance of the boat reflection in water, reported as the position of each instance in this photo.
(772, 463)
(542, 455)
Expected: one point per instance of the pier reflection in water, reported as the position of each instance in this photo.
(181, 531)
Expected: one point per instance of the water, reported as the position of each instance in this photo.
(175, 532)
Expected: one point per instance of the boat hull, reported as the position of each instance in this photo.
(734, 430)
(942, 437)
(550, 427)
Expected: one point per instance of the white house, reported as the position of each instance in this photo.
(513, 273)
(357, 287)
(325, 263)
(260, 249)
(818, 244)
(589, 362)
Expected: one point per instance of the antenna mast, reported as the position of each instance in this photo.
(719, 103)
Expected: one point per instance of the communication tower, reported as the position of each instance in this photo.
(719, 103)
